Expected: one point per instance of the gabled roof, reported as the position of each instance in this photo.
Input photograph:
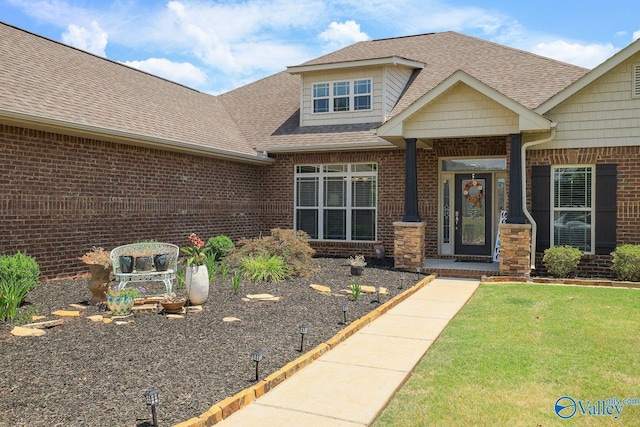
(528, 119)
(590, 77)
(526, 78)
(50, 85)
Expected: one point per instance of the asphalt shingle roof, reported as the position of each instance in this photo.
(47, 79)
(43, 78)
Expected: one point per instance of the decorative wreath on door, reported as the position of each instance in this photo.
(476, 200)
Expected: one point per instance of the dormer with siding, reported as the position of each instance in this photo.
(363, 91)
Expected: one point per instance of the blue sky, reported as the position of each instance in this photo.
(215, 46)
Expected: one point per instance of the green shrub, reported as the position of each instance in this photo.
(19, 274)
(626, 262)
(220, 247)
(291, 245)
(561, 261)
(264, 268)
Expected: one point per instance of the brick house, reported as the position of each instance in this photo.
(422, 142)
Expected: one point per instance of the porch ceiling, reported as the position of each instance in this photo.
(461, 106)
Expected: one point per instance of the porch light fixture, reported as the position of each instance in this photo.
(345, 307)
(151, 397)
(256, 356)
(403, 277)
(303, 331)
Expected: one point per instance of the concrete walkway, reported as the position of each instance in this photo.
(351, 384)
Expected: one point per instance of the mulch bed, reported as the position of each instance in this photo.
(94, 374)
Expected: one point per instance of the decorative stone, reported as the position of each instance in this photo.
(246, 300)
(174, 316)
(66, 313)
(46, 324)
(96, 318)
(321, 288)
(194, 309)
(107, 320)
(20, 331)
(145, 308)
(78, 306)
(122, 322)
(231, 319)
(260, 296)
(372, 290)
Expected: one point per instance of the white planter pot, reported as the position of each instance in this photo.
(197, 282)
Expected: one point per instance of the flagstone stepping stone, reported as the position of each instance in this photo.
(321, 288)
(78, 306)
(194, 309)
(246, 300)
(107, 320)
(175, 316)
(122, 322)
(46, 324)
(372, 289)
(96, 318)
(260, 296)
(20, 331)
(34, 318)
(66, 313)
(231, 319)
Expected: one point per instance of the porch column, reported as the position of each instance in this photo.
(409, 234)
(410, 182)
(515, 215)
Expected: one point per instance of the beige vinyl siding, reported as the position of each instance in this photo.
(461, 111)
(375, 115)
(605, 113)
(396, 79)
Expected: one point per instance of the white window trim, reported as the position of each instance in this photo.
(351, 96)
(350, 174)
(592, 209)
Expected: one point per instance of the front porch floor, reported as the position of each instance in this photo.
(448, 267)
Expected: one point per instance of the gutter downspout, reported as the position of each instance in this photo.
(534, 226)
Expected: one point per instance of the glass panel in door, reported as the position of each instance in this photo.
(473, 213)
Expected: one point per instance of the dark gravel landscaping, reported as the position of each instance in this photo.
(93, 374)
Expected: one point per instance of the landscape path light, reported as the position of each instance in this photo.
(303, 331)
(403, 277)
(256, 356)
(378, 293)
(345, 307)
(151, 397)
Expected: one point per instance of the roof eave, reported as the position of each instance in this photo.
(114, 135)
(389, 60)
(328, 147)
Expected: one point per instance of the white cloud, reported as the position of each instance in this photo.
(179, 72)
(342, 34)
(93, 39)
(585, 55)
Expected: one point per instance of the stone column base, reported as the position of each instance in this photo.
(515, 249)
(408, 244)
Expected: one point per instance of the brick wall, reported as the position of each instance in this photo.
(278, 197)
(628, 196)
(59, 195)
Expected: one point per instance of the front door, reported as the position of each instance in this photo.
(472, 215)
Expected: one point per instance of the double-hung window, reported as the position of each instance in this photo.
(348, 95)
(572, 207)
(337, 202)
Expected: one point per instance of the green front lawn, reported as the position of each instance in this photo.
(514, 350)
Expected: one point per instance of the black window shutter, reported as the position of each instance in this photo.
(541, 204)
(606, 208)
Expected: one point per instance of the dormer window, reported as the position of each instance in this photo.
(350, 95)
